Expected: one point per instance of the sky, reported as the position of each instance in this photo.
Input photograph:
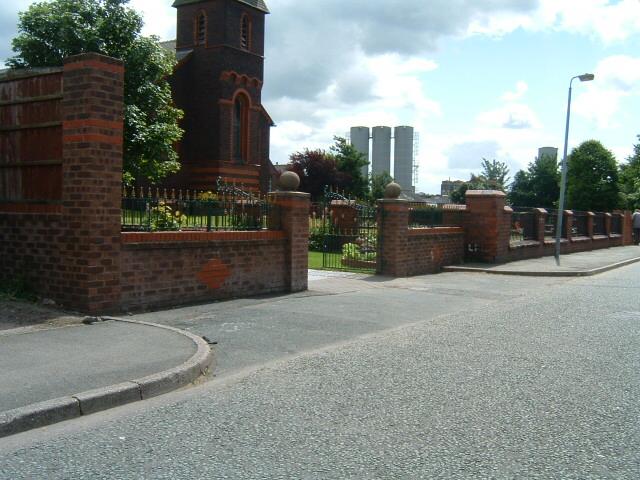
(476, 78)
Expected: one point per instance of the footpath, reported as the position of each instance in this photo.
(582, 264)
(60, 370)
(55, 372)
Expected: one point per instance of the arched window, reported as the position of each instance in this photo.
(240, 128)
(245, 32)
(201, 29)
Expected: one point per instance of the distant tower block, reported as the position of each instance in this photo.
(381, 155)
(403, 158)
(360, 141)
(548, 152)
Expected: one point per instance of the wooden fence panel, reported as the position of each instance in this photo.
(31, 135)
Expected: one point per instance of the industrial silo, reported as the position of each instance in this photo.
(381, 151)
(403, 158)
(360, 141)
(548, 152)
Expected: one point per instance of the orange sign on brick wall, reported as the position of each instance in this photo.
(214, 273)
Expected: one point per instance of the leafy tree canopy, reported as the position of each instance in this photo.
(592, 178)
(538, 186)
(317, 170)
(51, 31)
(377, 184)
(495, 174)
(350, 162)
(630, 179)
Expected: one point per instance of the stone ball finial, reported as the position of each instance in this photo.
(289, 181)
(392, 191)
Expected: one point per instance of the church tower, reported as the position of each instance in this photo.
(218, 83)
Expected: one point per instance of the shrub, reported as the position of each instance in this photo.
(163, 218)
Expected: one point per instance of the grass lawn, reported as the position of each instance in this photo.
(315, 260)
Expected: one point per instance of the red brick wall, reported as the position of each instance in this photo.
(431, 249)
(163, 269)
(404, 251)
(68, 249)
(29, 251)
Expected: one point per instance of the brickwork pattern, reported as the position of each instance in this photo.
(433, 248)
(92, 111)
(170, 273)
(393, 247)
(294, 221)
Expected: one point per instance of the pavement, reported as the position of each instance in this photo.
(581, 264)
(56, 372)
(63, 369)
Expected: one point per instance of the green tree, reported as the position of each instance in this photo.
(630, 179)
(377, 184)
(317, 170)
(51, 31)
(538, 186)
(592, 178)
(495, 174)
(350, 162)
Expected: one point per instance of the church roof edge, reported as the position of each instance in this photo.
(257, 4)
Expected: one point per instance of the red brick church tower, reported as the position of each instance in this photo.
(218, 84)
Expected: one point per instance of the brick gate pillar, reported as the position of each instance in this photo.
(92, 113)
(488, 227)
(294, 221)
(393, 234)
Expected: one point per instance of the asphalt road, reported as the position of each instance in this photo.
(458, 376)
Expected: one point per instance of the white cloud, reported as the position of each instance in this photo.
(616, 79)
(511, 116)
(518, 93)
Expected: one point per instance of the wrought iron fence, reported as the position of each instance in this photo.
(430, 215)
(224, 208)
(580, 226)
(599, 224)
(524, 225)
(551, 224)
(616, 224)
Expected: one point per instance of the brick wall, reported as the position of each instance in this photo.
(404, 251)
(161, 269)
(488, 223)
(72, 250)
(433, 248)
(67, 249)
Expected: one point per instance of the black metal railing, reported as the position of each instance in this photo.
(224, 208)
(580, 226)
(551, 224)
(616, 224)
(431, 215)
(599, 227)
(524, 224)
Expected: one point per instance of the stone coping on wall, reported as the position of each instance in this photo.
(435, 231)
(170, 237)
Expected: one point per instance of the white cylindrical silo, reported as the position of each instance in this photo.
(381, 151)
(548, 152)
(403, 157)
(360, 141)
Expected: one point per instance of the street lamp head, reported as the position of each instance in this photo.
(587, 77)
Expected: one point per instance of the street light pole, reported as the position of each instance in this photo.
(587, 77)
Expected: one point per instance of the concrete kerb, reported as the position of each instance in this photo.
(66, 408)
(539, 273)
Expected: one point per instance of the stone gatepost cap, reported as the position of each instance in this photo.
(485, 193)
(289, 181)
(392, 191)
